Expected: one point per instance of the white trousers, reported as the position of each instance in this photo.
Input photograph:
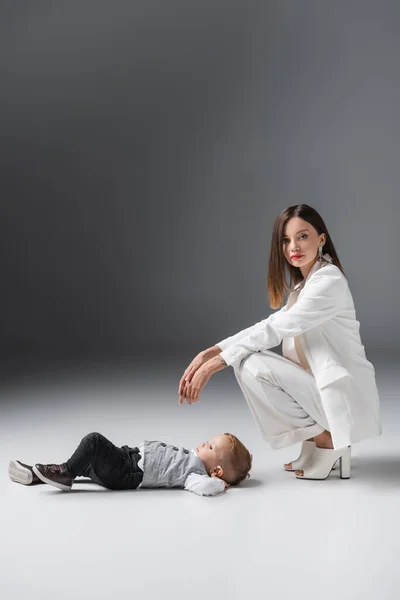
(283, 398)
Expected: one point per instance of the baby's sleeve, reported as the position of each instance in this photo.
(203, 485)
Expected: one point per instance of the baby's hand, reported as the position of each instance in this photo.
(214, 475)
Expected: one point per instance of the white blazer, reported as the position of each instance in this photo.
(324, 319)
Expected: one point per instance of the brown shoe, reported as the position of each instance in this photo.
(22, 473)
(54, 475)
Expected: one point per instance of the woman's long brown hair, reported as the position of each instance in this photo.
(278, 266)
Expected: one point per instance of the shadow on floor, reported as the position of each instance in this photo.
(94, 487)
(378, 471)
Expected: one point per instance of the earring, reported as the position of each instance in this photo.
(320, 253)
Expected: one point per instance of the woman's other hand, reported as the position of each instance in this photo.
(196, 363)
(192, 388)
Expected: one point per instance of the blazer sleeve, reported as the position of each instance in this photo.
(234, 339)
(319, 301)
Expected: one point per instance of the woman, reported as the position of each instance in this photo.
(322, 391)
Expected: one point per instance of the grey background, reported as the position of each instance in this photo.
(146, 149)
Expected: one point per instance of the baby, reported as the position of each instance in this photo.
(206, 470)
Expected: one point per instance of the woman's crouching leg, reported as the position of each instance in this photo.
(283, 399)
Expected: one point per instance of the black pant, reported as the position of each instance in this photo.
(115, 468)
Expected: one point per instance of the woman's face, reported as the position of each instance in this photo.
(301, 242)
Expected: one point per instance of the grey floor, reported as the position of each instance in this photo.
(271, 537)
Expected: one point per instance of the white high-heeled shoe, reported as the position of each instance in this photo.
(307, 450)
(323, 461)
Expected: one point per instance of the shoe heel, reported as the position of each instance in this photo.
(345, 464)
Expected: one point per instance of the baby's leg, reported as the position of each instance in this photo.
(104, 462)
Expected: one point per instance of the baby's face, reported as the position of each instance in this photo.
(212, 452)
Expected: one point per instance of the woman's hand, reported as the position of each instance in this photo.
(196, 363)
(192, 389)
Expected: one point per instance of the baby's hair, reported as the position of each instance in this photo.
(239, 459)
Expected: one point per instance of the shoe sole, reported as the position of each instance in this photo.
(19, 474)
(60, 486)
(318, 478)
